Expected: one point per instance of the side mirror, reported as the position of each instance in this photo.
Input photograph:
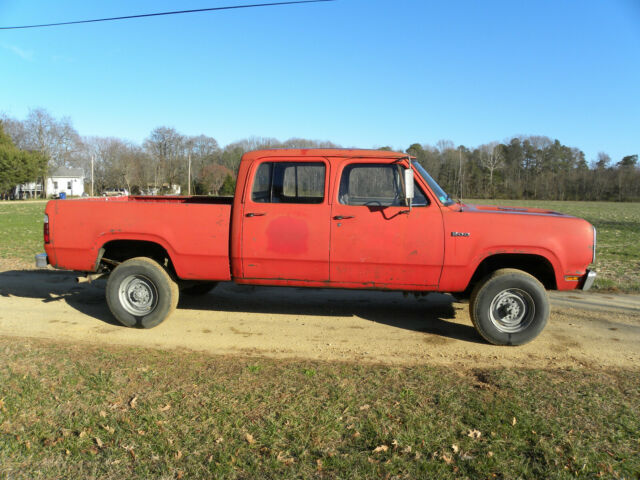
(408, 185)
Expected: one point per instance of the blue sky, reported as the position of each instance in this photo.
(362, 73)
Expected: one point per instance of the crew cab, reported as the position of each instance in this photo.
(328, 218)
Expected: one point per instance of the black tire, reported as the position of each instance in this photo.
(509, 307)
(197, 288)
(140, 293)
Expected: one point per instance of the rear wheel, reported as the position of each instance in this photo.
(140, 293)
(509, 307)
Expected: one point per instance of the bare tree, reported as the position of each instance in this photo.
(168, 150)
(492, 159)
(55, 139)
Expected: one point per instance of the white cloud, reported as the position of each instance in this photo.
(24, 54)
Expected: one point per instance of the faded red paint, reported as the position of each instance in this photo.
(305, 245)
(288, 236)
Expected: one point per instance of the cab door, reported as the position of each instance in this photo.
(286, 221)
(375, 240)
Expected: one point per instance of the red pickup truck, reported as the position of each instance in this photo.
(358, 219)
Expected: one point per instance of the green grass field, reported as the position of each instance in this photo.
(618, 247)
(618, 224)
(86, 412)
(77, 411)
(21, 230)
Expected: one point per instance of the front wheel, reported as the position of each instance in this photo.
(140, 293)
(509, 307)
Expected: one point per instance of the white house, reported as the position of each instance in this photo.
(66, 180)
(69, 181)
(28, 190)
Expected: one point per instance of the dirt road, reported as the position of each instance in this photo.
(584, 329)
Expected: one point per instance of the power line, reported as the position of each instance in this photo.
(178, 12)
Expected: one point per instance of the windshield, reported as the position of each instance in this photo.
(437, 189)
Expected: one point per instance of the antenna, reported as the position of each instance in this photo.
(460, 177)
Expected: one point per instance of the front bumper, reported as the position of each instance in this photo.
(589, 278)
(42, 260)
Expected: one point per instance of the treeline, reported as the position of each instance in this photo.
(531, 167)
(16, 165)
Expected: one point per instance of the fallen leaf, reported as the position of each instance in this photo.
(355, 435)
(474, 433)
(418, 456)
(130, 450)
(285, 460)
(455, 448)
(103, 414)
(489, 454)
(67, 452)
(249, 438)
(133, 401)
(372, 460)
(514, 421)
(27, 444)
(142, 433)
(448, 460)
(219, 440)
(466, 456)
(365, 407)
(319, 465)
(2, 404)
(381, 448)
(407, 449)
(166, 407)
(210, 459)
(93, 451)
(395, 443)
(52, 443)
(179, 455)
(180, 475)
(98, 442)
(109, 429)
(82, 434)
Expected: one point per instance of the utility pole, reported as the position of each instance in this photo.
(189, 176)
(460, 175)
(92, 159)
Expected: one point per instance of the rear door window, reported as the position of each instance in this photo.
(289, 182)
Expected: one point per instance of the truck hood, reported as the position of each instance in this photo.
(471, 208)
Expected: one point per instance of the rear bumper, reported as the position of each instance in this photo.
(589, 278)
(42, 260)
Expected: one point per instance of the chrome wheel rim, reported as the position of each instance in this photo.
(512, 310)
(138, 295)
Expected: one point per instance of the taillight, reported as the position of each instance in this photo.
(45, 229)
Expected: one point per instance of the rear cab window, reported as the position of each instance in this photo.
(289, 182)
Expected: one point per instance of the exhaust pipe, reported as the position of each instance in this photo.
(91, 277)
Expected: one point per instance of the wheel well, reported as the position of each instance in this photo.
(118, 251)
(535, 265)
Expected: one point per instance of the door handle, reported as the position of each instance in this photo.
(255, 214)
(343, 217)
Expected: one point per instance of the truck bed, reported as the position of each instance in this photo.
(193, 230)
